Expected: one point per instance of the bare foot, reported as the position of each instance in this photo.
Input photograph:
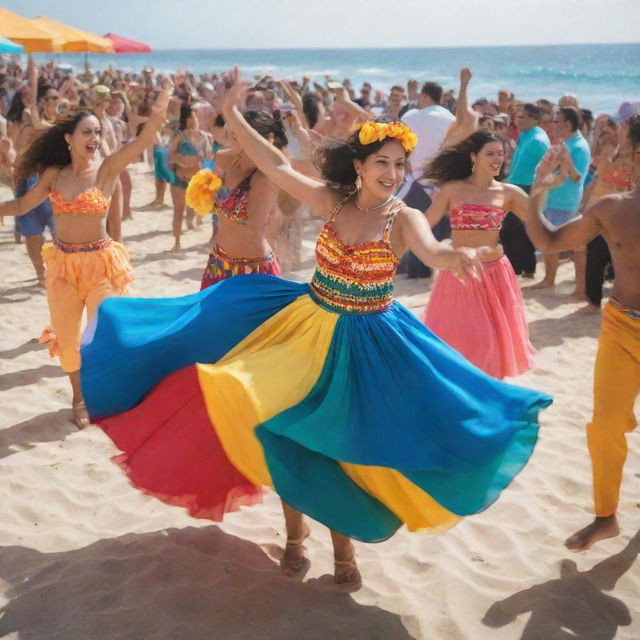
(176, 247)
(543, 284)
(599, 529)
(42, 280)
(528, 276)
(589, 309)
(346, 573)
(293, 560)
(578, 295)
(80, 414)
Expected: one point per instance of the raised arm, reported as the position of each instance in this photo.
(573, 234)
(32, 77)
(353, 108)
(270, 160)
(294, 98)
(32, 198)
(466, 118)
(116, 162)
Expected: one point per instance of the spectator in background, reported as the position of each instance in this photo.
(533, 143)
(586, 126)
(397, 100)
(564, 199)
(548, 114)
(365, 96)
(430, 121)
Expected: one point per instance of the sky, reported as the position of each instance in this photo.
(242, 24)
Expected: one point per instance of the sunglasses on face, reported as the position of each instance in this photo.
(50, 98)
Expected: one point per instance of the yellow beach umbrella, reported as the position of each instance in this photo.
(26, 33)
(74, 40)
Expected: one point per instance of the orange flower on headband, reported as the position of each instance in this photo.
(201, 190)
(378, 131)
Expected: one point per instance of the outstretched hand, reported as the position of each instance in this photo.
(465, 75)
(465, 262)
(234, 92)
(545, 176)
(162, 101)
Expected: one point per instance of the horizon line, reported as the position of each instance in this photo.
(477, 46)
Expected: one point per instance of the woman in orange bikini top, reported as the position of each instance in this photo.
(83, 264)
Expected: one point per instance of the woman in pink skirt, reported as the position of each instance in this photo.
(483, 319)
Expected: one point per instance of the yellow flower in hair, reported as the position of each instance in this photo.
(201, 191)
(368, 133)
(378, 131)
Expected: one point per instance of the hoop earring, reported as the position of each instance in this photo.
(358, 183)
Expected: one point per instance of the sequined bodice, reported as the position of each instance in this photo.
(91, 202)
(477, 217)
(354, 278)
(234, 204)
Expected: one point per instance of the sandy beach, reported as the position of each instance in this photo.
(84, 556)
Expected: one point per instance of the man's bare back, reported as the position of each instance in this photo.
(619, 217)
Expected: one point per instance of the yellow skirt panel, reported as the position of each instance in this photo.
(271, 370)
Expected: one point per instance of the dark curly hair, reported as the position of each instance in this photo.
(335, 159)
(454, 163)
(265, 125)
(50, 149)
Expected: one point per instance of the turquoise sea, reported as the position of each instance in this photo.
(602, 75)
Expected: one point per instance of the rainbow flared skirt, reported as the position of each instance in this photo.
(363, 422)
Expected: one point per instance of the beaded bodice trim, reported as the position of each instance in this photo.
(91, 202)
(477, 217)
(354, 278)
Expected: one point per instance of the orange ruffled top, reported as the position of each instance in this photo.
(91, 202)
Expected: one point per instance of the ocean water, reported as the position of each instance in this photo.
(602, 75)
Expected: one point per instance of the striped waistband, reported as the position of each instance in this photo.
(80, 247)
(630, 312)
(217, 252)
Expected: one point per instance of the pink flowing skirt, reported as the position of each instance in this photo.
(483, 319)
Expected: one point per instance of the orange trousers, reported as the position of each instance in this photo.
(79, 276)
(615, 389)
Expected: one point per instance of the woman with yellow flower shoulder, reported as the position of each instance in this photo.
(244, 200)
(331, 393)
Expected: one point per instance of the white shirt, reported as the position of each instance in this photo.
(430, 125)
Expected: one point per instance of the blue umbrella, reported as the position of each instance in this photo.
(7, 46)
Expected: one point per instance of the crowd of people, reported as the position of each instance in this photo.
(413, 180)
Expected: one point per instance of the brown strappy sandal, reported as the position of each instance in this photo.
(347, 574)
(292, 567)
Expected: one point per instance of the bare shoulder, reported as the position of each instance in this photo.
(408, 215)
(612, 204)
(48, 176)
(512, 190)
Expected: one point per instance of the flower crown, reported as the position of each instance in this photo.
(201, 191)
(378, 131)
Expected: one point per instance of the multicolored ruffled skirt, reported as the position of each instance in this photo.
(363, 422)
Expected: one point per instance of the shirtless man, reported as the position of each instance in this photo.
(617, 370)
